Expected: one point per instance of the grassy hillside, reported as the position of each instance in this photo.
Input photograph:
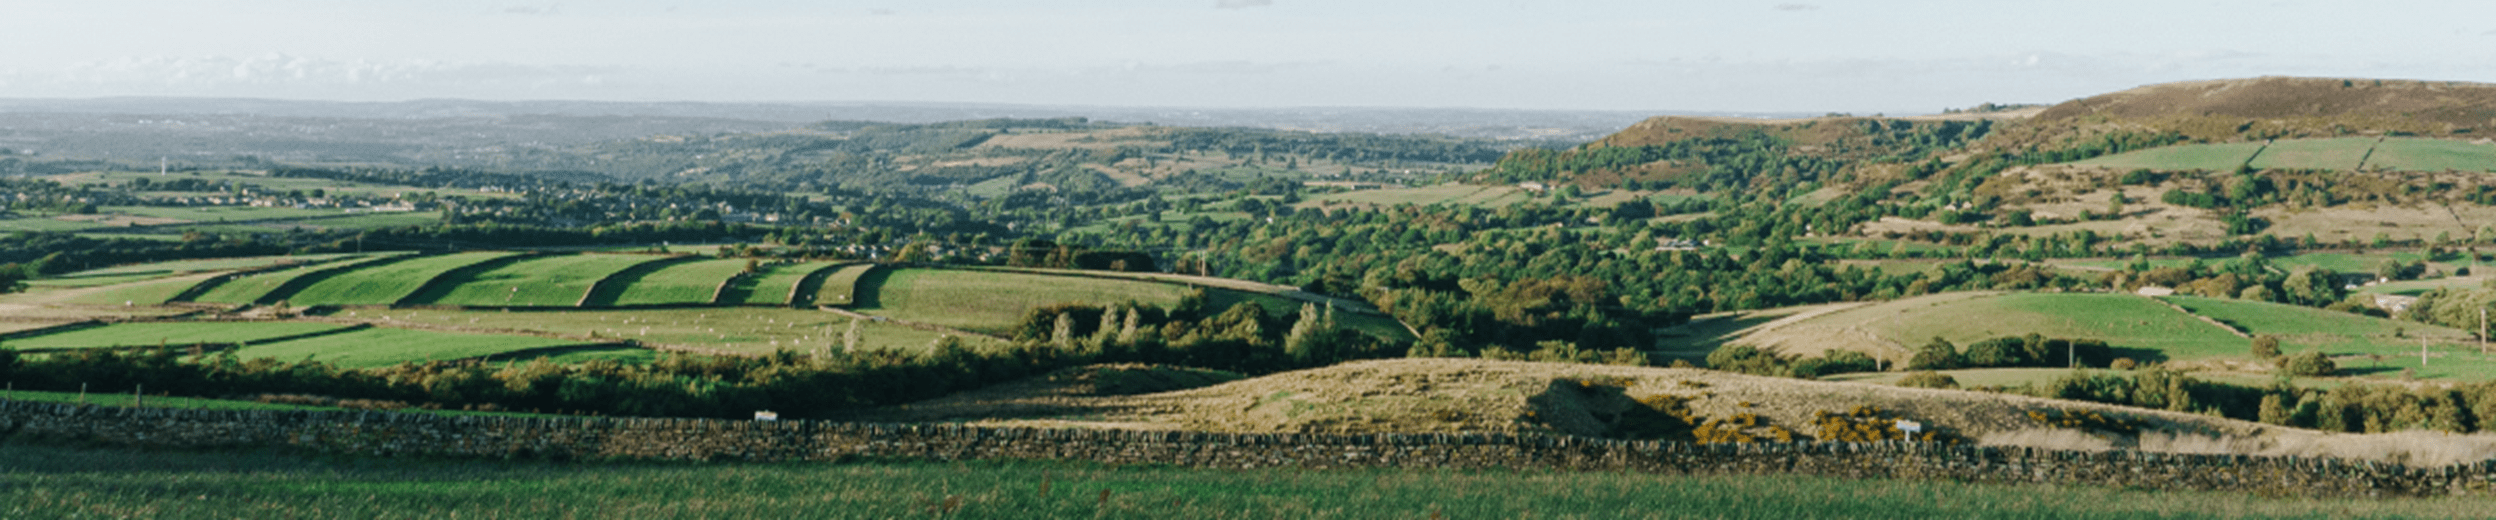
(2363, 345)
(149, 292)
(733, 330)
(2137, 327)
(2269, 107)
(387, 283)
(840, 287)
(377, 347)
(174, 333)
(778, 282)
(991, 302)
(677, 283)
(549, 281)
(252, 288)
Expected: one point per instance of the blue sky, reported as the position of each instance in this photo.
(1723, 55)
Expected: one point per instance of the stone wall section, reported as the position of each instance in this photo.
(386, 434)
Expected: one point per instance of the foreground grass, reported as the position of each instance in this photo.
(43, 481)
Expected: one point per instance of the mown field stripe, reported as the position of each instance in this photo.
(609, 289)
(441, 284)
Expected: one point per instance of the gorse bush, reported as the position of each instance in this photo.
(2012, 351)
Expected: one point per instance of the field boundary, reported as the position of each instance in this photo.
(395, 434)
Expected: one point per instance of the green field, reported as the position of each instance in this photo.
(2213, 157)
(548, 281)
(774, 286)
(93, 281)
(223, 213)
(2451, 354)
(841, 287)
(152, 292)
(741, 330)
(2345, 262)
(2433, 155)
(991, 302)
(378, 347)
(248, 289)
(2339, 153)
(370, 220)
(213, 264)
(46, 480)
(44, 224)
(2124, 321)
(172, 333)
(692, 282)
(387, 283)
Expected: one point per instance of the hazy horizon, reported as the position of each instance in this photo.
(1597, 55)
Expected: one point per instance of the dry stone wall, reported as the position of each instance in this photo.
(410, 434)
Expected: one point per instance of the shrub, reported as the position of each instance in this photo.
(2310, 363)
(1997, 352)
(1835, 362)
(2124, 364)
(1928, 379)
(1937, 355)
(2265, 347)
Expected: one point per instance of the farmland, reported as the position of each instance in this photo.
(682, 282)
(377, 347)
(990, 302)
(2364, 345)
(779, 281)
(151, 292)
(840, 287)
(548, 281)
(2340, 154)
(735, 330)
(252, 288)
(2212, 157)
(2137, 327)
(384, 284)
(174, 333)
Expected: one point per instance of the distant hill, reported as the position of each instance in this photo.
(2268, 108)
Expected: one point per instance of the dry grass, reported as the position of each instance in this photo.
(1467, 395)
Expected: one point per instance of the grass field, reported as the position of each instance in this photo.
(746, 330)
(2339, 153)
(370, 220)
(44, 224)
(378, 347)
(251, 288)
(174, 333)
(213, 264)
(991, 302)
(2124, 321)
(93, 281)
(775, 284)
(385, 284)
(2386, 346)
(841, 287)
(40, 480)
(679, 283)
(549, 281)
(2433, 155)
(206, 214)
(152, 292)
(2213, 157)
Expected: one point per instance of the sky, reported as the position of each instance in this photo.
(1861, 57)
